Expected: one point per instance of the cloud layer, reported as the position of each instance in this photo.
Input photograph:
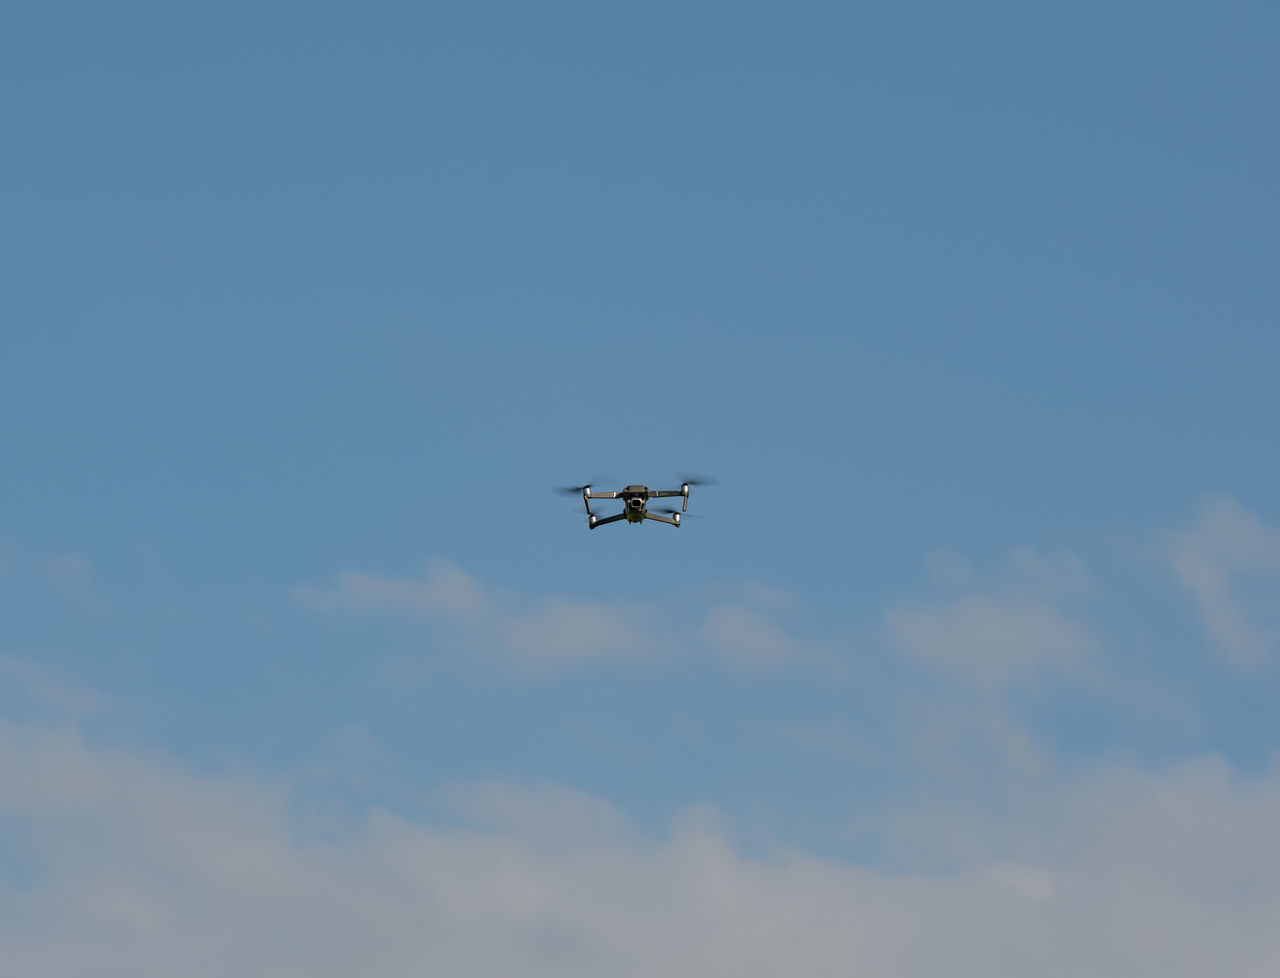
(122, 864)
(990, 858)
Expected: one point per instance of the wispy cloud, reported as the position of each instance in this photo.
(69, 575)
(562, 630)
(1228, 560)
(747, 637)
(988, 641)
(442, 589)
(997, 630)
(46, 690)
(741, 627)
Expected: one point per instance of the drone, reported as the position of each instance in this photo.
(635, 502)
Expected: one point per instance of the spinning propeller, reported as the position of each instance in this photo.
(596, 480)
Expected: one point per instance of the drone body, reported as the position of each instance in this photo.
(635, 503)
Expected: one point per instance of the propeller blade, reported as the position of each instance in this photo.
(672, 511)
(697, 480)
(597, 481)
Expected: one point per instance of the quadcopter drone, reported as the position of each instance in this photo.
(635, 503)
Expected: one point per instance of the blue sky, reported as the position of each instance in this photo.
(971, 310)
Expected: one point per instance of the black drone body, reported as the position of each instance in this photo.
(635, 503)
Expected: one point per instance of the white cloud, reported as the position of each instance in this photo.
(68, 575)
(948, 569)
(968, 743)
(746, 637)
(830, 736)
(71, 577)
(763, 595)
(989, 641)
(553, 630)
(1000, 630)
(46, 690)
(564, 630)
(143, 868)
(443, 589)
(552, 816)
(547, 631)
(1060, 575)
(1229, 561)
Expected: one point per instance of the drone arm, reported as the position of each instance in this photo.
(598, 521)
(588, 495)
(682, 491)
(673, 520)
